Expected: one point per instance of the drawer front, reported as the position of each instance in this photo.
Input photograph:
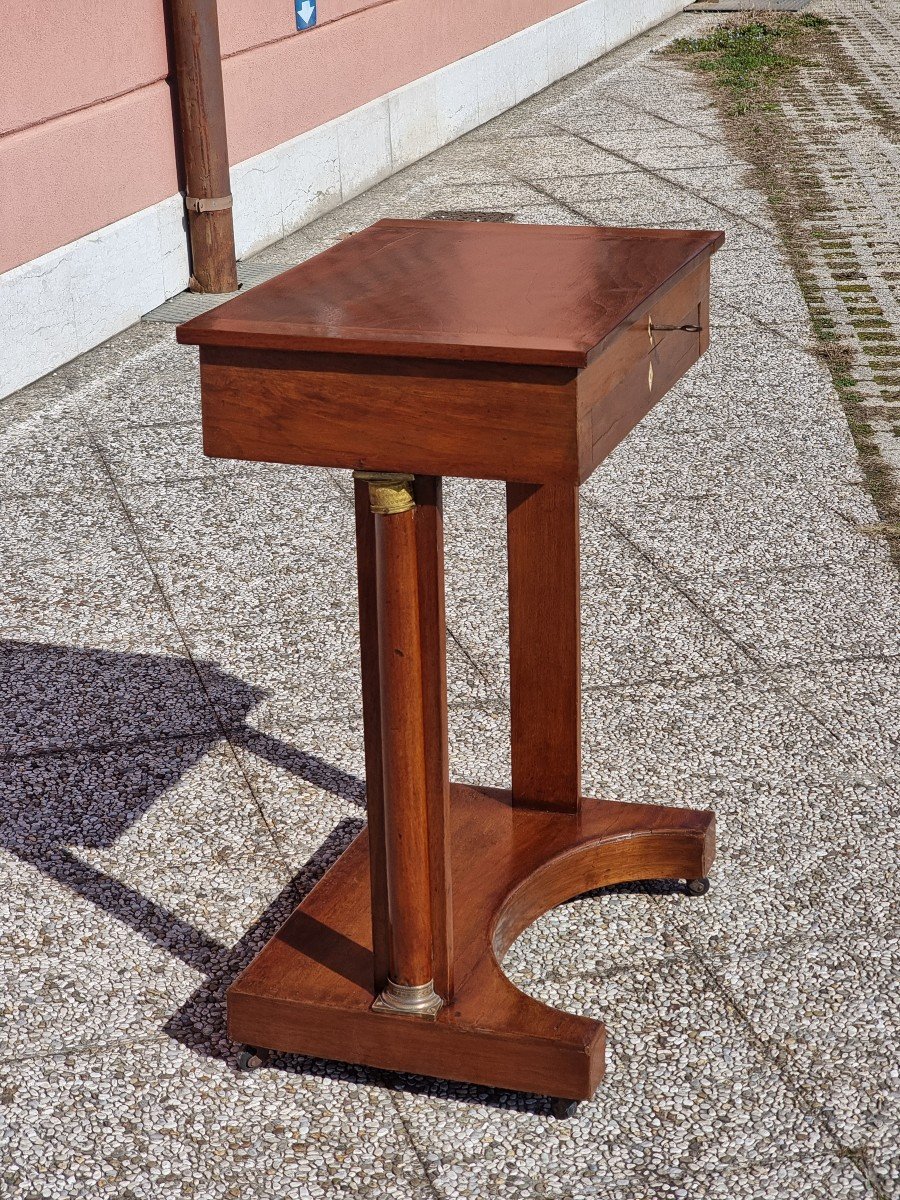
(620, 389)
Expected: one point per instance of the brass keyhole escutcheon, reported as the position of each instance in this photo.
(650, 356)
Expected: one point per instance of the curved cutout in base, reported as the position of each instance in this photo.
(310, 991)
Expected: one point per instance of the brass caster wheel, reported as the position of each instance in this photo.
(563, 1109)
(696, 887)
(251, 1059)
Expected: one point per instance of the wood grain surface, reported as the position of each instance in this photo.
(521, 353)
(428, 418)
(625, 314)
(403, 750)
(371, 706)
(310, 990)
(478, 291)
(430, 538)
(544, 644)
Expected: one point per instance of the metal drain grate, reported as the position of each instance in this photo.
(746, 6)
(191, 304)
(445, 214)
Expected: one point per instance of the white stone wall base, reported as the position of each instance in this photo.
(65, 302)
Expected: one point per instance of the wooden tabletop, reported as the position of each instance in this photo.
(474, 291)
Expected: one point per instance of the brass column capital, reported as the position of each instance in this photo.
(389, 491)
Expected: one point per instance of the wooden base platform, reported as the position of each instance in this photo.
(310, 991)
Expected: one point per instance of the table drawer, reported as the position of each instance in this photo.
(649, 357)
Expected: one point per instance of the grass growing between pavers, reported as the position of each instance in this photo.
(756, 69)
(748, 57)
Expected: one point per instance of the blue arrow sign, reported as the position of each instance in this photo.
(306, 13)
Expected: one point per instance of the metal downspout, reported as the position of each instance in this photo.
(204, 144)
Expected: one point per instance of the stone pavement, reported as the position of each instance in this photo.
(846, 121)
(182, 746)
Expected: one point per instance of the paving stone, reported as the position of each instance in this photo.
(634, 624)
(129, 835)
(84, 373)
(114, 1119)
(721, 530)
(276, 550)
(813, 1178)
(559, 154)
(857, 700)
(688, 741)
(670, 200)
(101, 599)
(779, 301)
(46, 453)
(298, 669)
(646, 630)
(697, 157)
(310, 779)
(294, 249)
(610, 112)
(686, 456)
(646, 1118)
(805, 613)
(731, 267)
(550, 213)
(885, 1159)
(59, 697)
(629, 142)
(52, 964)
(173, 453)
(158, 385)
(65, 528)
(796, 864)
(512, 125)
(831, 1010)
(478, 197)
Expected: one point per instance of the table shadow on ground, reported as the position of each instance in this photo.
(86, 705)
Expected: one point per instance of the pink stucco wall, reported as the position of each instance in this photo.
(85, 111)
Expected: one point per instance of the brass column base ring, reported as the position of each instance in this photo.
(421, 1001)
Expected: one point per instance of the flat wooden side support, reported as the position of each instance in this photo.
(544, 644)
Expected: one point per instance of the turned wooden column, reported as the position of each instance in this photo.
(404, 800)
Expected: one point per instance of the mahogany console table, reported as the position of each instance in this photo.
(414, 350)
